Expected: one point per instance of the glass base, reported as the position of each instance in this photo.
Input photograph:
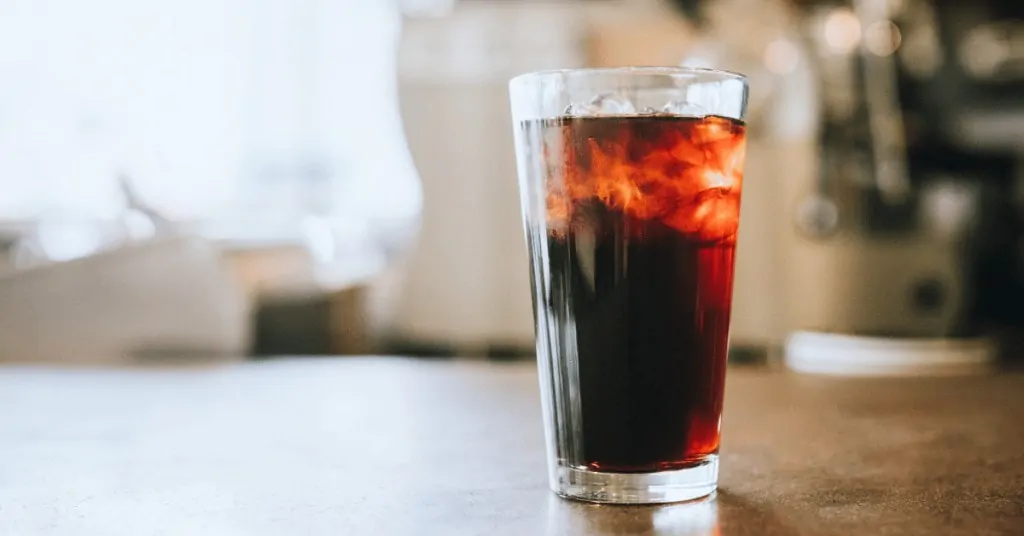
(678, 485)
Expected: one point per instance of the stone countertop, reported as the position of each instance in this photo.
(382, 446)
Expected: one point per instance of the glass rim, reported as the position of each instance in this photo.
(719, 74)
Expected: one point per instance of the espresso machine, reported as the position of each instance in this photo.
(907, 248)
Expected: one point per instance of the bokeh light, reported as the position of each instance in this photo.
(882, 38)
(842, 31)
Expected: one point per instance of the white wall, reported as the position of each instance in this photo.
(213, 106)
(91, 86)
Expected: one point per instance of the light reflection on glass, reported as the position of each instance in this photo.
(572, 518)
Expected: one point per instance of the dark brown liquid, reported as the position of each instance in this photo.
(651, 352)
(638, 300)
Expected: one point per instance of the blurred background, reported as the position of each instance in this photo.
(240, 179)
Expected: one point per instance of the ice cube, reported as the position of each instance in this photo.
(603, 104)
(712, 215)
(610, 103)
(684, 108)
(716, 129)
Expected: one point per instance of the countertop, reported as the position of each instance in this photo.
(382, 446)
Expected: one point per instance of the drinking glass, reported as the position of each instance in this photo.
(630, 183)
